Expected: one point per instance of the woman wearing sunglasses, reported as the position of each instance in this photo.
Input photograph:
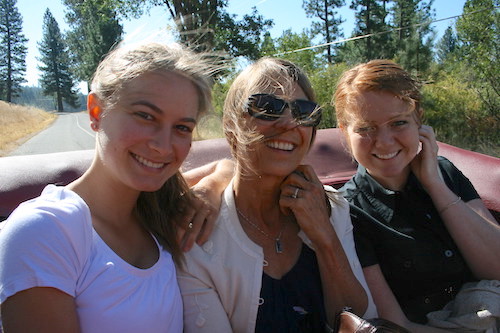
(281, 257)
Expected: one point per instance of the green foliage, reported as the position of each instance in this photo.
(458, 115)
(370, 19)
(401, 32)
(219, 92)
(329, 24)
(95, 30)
(241, 38)
(288, 46)
(324, 82)
(447, 46)
(248, 35)
(12, 50)
(206, 25)
(210, 126)
(56, 79)
(479, 35)
(415, 37)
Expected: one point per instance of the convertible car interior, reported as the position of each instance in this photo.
(24, 177)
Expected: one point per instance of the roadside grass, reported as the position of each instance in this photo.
(18, 123)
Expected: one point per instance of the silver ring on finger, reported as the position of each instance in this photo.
(295, 194)
(190, 225)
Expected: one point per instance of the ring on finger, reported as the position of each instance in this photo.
(295, 193)
(190, 225)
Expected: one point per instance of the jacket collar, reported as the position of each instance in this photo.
(383, 200)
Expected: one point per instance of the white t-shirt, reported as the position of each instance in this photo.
(50, 242)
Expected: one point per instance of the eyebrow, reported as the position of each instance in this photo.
(160, 111)
(149, 105)
(371, 122)
(399, 116)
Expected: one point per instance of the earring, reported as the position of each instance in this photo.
(93, 126)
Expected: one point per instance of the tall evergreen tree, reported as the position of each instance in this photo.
(56, 79)
(415, 36)
(446, 46)
(478, 31)
(12, 50)
(370, 20)
(95, 29)
(329, 25)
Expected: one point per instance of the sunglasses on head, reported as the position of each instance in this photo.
(270, 108)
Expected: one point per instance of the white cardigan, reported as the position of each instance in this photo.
(221, 280)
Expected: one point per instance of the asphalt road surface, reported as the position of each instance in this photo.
(70, 131)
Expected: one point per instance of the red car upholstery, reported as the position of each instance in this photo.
(23, 177)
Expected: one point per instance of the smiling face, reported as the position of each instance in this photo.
(383, 137)
(284, 143)
(143, 139)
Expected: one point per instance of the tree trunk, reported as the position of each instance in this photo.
(327, 28)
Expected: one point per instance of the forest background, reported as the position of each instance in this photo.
(459, 71)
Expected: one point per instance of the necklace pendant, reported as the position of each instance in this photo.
(278, 247)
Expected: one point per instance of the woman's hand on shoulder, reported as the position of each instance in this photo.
(197, 223)
(208, 183)
(303, 195)
(425, 165)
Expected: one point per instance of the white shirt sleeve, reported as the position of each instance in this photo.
(45, 243)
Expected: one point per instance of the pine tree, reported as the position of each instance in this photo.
(329, 25)
(415, 36)
(446, 46)
(370, 20)
(95, 29)
(56, 79)
(478, 32)
(12, 50)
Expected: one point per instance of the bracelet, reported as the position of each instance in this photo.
(442, 210)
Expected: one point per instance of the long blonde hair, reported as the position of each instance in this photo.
(157, 210)
(265, 74)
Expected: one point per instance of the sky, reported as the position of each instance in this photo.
(286, 14)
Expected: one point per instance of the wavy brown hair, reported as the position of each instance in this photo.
(376, 75)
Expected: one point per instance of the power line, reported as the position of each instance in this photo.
(381, 33)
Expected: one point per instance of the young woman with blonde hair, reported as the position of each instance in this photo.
(98, 254)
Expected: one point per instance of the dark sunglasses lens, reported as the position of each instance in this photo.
(265, 107)
(307, 113)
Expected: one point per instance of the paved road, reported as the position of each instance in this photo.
(70, 131)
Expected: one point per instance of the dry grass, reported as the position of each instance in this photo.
(19, 123)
